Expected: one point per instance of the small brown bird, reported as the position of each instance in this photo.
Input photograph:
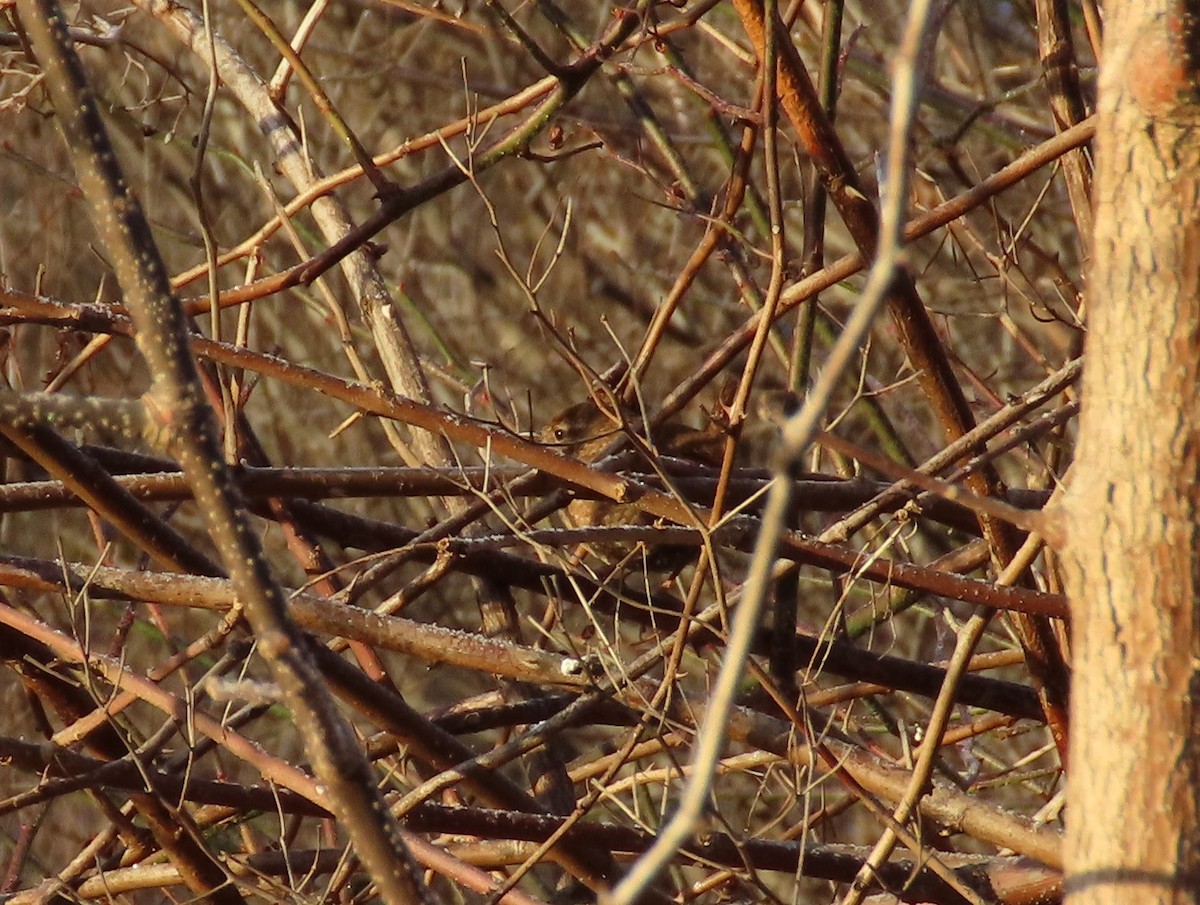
(586, 429)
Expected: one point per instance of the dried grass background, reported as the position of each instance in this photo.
(610, 229)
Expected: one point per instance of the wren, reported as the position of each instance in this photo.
(585, 430)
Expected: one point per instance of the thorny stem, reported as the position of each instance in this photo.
(176, 403)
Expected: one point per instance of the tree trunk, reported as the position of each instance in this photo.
(1132, 502)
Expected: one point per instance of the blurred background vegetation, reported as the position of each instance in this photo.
(517, 289)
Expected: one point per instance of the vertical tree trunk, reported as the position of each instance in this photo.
(1132, 502)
